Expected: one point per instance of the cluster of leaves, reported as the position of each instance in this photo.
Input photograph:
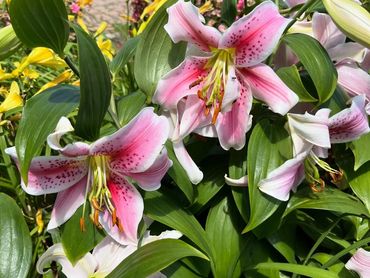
(228, 232)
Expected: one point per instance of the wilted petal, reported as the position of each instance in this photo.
(325, 31)
(241, 182)
(109, 254)
(180, 82)
(348, 51)
(191, 169)
(286, 177)
(151, 178)
(254, 36)
(185, 24)
(53, 173)
(233, 125)
(350, 123)
(268, 87)
(66, 204)
(135, 147)
(353, 79)
(309, 130)
(360, 262)
(84, 268)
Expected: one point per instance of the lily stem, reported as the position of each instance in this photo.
(72, 66)
(300, 12)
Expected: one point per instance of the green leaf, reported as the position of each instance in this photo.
(40, 117)
(129, 106)
(269, 146)
(40, 23)
(317, 63)
(361, 150)
(222, 223)
(228, 11)
(124, 55)
(156, 54)
(166, 210)
(179, 270)
(309, 271)
(291, 78)
(77, 243)
(330, 199)
(96, 87)
(15, 243)
(154, 257)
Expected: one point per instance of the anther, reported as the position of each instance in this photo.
(196, 82)
(95, 204)
(96, 218)
(120, 227)
(82, 225)
(318, 186)
(215, 113)
(114, 217)
(337, 176)
(207, 110)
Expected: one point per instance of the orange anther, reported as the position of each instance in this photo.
(96, 204)
(82, 225)
(318, 186)
(195, 83)
(114, 217)
(215, 113)
(120, 227)
(206, 111)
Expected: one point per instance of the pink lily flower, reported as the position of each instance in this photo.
(210, 93)
(360, 263)
(106, 256)
(312, 136)
(101, 172)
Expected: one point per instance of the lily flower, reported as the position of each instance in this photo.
(64, 76)
(312, 136)
(12, 99)
(106, 256)
(360, 263)
(210, 93)
(101, 172)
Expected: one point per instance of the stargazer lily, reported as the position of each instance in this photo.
(312, 136)
(210, 93)
(360, 263)
(106, 256)
(101, 172)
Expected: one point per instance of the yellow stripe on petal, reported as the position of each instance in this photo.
(13, 99)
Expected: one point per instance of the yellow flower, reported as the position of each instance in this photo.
(12, 100)
(64, 76)
(101, 28)
(4, 75)
(83, 3)
(105, 47)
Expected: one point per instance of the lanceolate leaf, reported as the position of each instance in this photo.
(15, 243)
(317, 63)
(269, 146)
(124, 55)
(153, 257)
(129, 106)
(361, 150)
(40, 117)
(228, 11)
(96, 88)
(156, 54)
(40, 23)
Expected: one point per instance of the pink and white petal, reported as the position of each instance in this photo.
(286, 177)
(191, 169)
(150, 179)
(84, 268)
(193, 117)
(366, 62)
(353, 79)
(292, 3)
(284, 56)
(254, 36)
(135, 147)
(360, 263)
(325, 31)
(350, 123)
(268, 87)
(320, 152)
(349, 51)
(66, 204)
(232, 126)
(180, 82)
(166, 234)
(52, 174)
(232, 90)
(129, 207)
(207, 131)
(109, 254)
(241, 182)
(185, 23)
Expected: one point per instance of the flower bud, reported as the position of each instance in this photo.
(9, 42)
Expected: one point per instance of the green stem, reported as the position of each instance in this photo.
(72, 66)
(301, 11)
(8, 162)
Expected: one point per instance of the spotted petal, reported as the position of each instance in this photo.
(360, 263)
(185, 24)
(254, 36)
(52, 174)
(268, 87)
(350, 123)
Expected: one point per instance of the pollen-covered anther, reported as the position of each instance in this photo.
(82, 225)
(337, 176)
(96, 204)
(195, 83)
(318, 186)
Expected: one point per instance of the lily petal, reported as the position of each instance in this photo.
(233, 125)
(166, 234)
(360, 263)
(191, 169)
(254, 36)
(52, 174)
(185, 24)
(84, 267)
(151, 178)
(350, 123)
(180, 82)
(353, 79)
(268, 87)
(231, 91)
(292, 3)
(351, 51)
(135, 147)
(241, 182)
(286, 177)
(325, 31)
(66, 204)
